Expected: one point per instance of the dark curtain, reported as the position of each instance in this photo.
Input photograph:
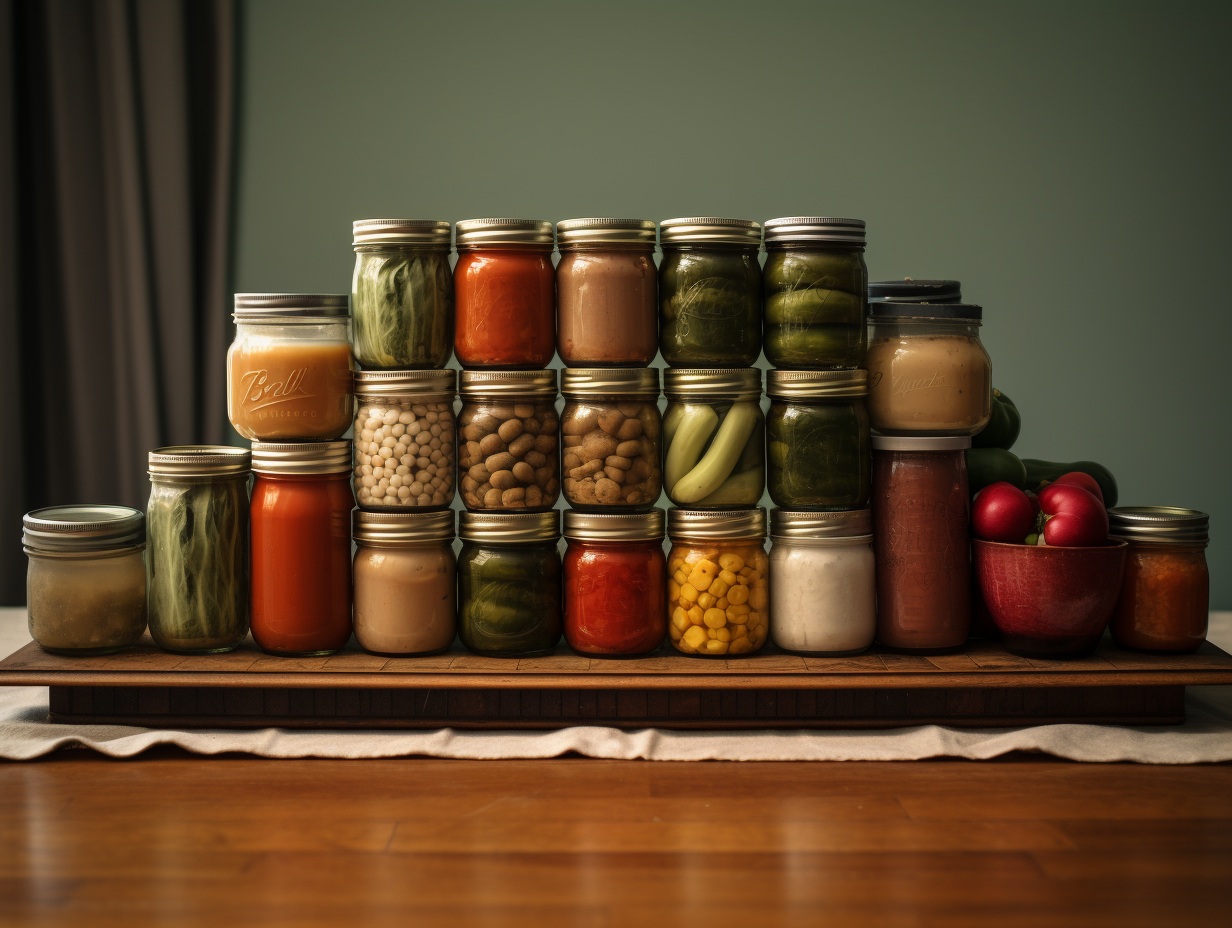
(115, 190)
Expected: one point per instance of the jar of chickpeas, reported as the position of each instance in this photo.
(717, 599)
(404, 440)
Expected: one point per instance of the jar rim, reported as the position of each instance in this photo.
(614, 381)
(199, 461)
(509, 528)
(302, 457)
(540, 383)
(716, 524)
(83, 527)
(744, 382)
(709, 230)
(392, 529)
(623, 526)
(481, 232)
(602, 231)
(252, 307)
(781, 384)
(400, 232)
(422, 383)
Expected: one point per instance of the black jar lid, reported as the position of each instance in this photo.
(916, 291)
(885, 309)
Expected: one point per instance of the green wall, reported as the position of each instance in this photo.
(1066, 162)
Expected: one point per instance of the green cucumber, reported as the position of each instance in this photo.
(813, 305)
(990, 465)
(721, 457)
(696, 425)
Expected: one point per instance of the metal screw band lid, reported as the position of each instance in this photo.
(199, 461)
(707, 230)
(686, 383)
(605, 232)
(406, 383)
(1159, 525)
(390, 529)
(83, 527)
(597, 381)
(889, 311)
(301, 457)
(716, 525)
(503, 232)
(794, 524)
(250, 305)
(507, 383)
(916, 291)
(816, 384)
(509, 528)
(821, 229)
(400, 232)
(631, 526)
(921, 442)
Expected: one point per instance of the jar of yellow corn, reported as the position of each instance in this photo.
(717, 600)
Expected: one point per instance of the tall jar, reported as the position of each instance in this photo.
(615, 583)
(402, 294)
(405, 439)
(823, 586)
(714, 438)
(197, 536)
(928, 372)
(85, 584)
(289, 368)
(610, 428)
(505, 293)
(717, 594)
(509, 583)
(301, 547)
(921, 516)
(816, 293)
(817, 439)
(606, 293)
(710, 292)
(1165, 592)
(405, 578)
(508, 453)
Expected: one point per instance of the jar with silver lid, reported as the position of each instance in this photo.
(823, 585)
(402, 294)
(710, 292)
(714, 438)
(718, 594)
(509, 583)
(405, 579)
(197, 531)
(86, 583)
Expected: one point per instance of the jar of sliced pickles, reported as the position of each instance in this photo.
(816, 292)
(404, 440)
(710, 292)
(818, 449)
(717, 592)
(714, 438)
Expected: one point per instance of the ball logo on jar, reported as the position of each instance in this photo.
(904, 385)
(260, 393)
(711, 298)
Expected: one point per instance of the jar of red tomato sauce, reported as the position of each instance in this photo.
(301, 546)
(504, 293)
(615, 583)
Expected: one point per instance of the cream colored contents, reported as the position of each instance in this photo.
(607, 307)
(717, 598)
(404, 598)
(86, 603)
(280, 390)
(928, 383)
(404, 455)
(823, 595)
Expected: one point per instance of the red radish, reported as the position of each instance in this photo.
(1074, 517)
(1002, 512)
(1077, 478)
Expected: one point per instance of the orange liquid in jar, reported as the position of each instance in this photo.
(289, 391)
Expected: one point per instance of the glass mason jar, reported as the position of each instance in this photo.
(615, 583)
(197, 537)
(717, 595)
(405, 580)
(301, 547)
(606, 293)
(610, 429)
(289, 368)
(508, 453)
(817, 450)
(404, 440)
(908, 290)
(1165, 592)
(509, 583)
(921, 518)
(505, 292)
(928, 372)
(710, 292)
(714, 438)
(816, 293)
(823, 586)
(402, 294)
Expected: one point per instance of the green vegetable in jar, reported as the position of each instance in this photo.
(402, 307)
(799, 267)
(509, 598)
(715, 455)
(819, 455)
(815, 305)
(710, 307)
(816, 346)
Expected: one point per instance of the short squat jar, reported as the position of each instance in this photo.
(818, 448)
(405, 440)
(405, 579)
(509, 451)
(402, 294)
(714, 438)
(710, 292)
(606, 293)
(197, 538)
(509, 583)
(610, 428)
(823, 587)
(717, 594)
(85, 584)
(505, 293)
(1165, 592)
(816, 286)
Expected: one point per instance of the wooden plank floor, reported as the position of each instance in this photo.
(1024, 841)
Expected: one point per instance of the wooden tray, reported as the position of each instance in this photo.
(984, 686)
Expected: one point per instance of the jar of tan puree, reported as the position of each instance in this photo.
(928, 373)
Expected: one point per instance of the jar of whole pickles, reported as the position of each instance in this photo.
(816, 292)
(404, 440)
(509, 583)
(508, 456)
(818, 449)
(610, 429)
(717, 594)
(402, 294)
(710, 292)
(714, 438)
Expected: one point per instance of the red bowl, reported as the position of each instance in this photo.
(1049, 601)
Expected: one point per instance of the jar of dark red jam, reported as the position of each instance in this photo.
(615, 583)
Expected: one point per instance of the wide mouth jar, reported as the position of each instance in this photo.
(1159, 525)
(301, 458)
(503, 233)
(708, 230)
(800, 527)
(716, 525)
(573, 234)
(591, 382)
(410, 232)
(290, 308)
(512, 528)
(802, 386)
(400, 529)
(613, 527)
(506, 384)
(83, 530)
(199, 461)
(694, 384)
(818, 231)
